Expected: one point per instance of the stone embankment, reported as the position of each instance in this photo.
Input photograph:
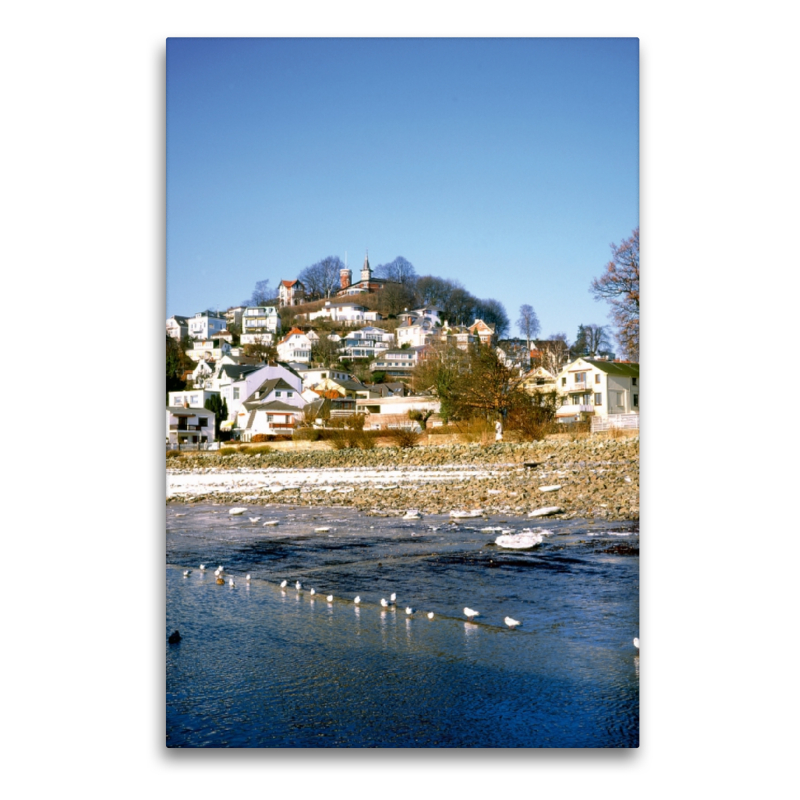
(597, 478)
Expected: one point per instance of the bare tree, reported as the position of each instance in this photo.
(399, 271)
(263, 349)
(528, 323)
(262, 294)
(619, 286)
(324, 351)
(322, 279)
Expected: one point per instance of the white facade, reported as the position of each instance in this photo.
(417, 334)
(345, 312)
(260, 320)
(190, 426)
(205, 324)
(212, 349)
(296, 346)
(235, 391)
(600, 388)
(196, 398)
(177, 327)
(367, 343)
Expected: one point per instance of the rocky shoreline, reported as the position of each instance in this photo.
(592, 478)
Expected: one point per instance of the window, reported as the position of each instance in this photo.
(580, 377)
(193, 399)
(277, 393)
(289, 394)
(636, 401)
(597, 377)
(202, 422)
(634, 381)
(563, 381)
(619, 398)
(270, 417)
(598, 398)
(235, 392)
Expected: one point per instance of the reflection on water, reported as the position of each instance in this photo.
(261, 666)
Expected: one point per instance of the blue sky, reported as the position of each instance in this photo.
(506, 164)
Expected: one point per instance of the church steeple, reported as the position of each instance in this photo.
(366, 270)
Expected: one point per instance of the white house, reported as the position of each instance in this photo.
(178, 327)
(273, 408)
(260, 324)
(210, 349)
(417, 333)
(205, 324)
(346, 312)
(366, 343)
(233, 316)
(597, 387)
(291, 293)
(392, 412)
(295, 346)
(189, 426)
(397, 361)
(193, 398)
(236, 383)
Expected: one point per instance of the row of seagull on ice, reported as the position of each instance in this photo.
(470, 613)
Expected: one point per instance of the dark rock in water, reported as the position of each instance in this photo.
(174, 637)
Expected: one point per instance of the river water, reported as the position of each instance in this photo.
(262, 666)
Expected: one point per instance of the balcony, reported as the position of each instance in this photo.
(188, 428)
(579, 387)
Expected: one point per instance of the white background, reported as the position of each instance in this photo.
(83, 280)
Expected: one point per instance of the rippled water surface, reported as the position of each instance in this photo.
(261, 666)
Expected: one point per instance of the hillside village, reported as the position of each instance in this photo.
(247, 375)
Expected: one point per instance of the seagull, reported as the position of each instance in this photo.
(636, 643)
(247, 578)
(512, 623)
(231, 582)
(357, 600)
(254, 519)
(202, 568)
(283, 584)
(313, 591)
(186, 573)
(393, 597)
(298, 586)
(409, 610)
(430, 615)
(470, 612)
(383, 602)
(221, 568)
(329, 598)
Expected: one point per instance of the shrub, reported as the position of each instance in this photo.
(404, 437)
(174, 454)
(227, 451)
(307, 435)
(259, 437)
(257, 450)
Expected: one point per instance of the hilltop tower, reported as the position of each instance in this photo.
(366, 270)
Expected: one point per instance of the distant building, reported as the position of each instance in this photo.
(205, 324)
(367, 285)
(178, 327)
(260, 325)
(291, 293)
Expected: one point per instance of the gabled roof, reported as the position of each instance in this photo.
(179, 319)
(265, 389)
(238, 371)
(292, 332)
(274, 406)
(289, 284)
(624, 369)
